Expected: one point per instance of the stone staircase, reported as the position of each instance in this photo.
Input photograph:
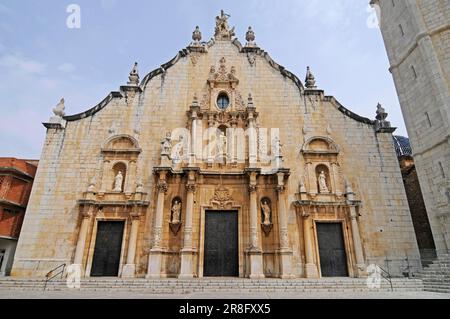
(436, 276)
(216, 285)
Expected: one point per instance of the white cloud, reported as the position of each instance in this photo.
(22, 64)
(66, 67)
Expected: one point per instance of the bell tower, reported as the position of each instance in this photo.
(417, 39)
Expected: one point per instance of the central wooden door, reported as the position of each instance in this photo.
(221, 244)
(108, 246)
(333, 259)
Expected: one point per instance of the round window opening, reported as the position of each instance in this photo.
(223, 101)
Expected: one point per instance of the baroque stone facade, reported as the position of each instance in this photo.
(417, 39)
(229, 166)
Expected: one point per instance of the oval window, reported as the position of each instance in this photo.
(223, 101)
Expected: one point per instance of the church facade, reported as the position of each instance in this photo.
(219, 163)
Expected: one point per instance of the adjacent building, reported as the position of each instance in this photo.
(416, 203)
(417, 39)
(16, 180)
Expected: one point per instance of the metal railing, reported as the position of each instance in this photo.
(386, 276)
(54, 273)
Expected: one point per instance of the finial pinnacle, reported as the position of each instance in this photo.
(250, 37)
(134, 75)
(310, 80)
(196, 36)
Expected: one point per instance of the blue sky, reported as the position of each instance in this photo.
(41, 60)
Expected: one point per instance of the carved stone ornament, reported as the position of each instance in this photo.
(250, 37)
(222, 75)
(59, 108)
(310, 80)
(222, 197)
(381, 113)
(251, 56)
(162, 186)
(175, 220)
(266, 214)
(134, 75)
(175, 228)
(196, 36)
(222, 31)
(267, 228)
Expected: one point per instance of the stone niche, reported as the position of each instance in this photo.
(120, 154)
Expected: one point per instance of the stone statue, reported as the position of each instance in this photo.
(381, 113)
(323, 188)
(222, 28)
(166, 145)
(276, 146)
(118, 182)
(266, 212)
(59, 108)
(176, 212)
(223, 142)
(177, 151)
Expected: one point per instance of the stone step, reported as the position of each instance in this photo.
(172, 286)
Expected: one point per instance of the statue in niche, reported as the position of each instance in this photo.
(223, 142)
(266, 212)
(166, 145)
(276, 146)
(323, 188)
(176, 212)
(118, 182)
(177, 152)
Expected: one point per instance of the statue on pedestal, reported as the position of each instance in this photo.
(266, 212)
(176, 212)
(323, 188)
(118, 180)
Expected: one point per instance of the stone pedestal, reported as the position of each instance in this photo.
(129, 271)
(286, 264)
(311, 271)
(256, 265)
(154, 263)
(187, 257)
